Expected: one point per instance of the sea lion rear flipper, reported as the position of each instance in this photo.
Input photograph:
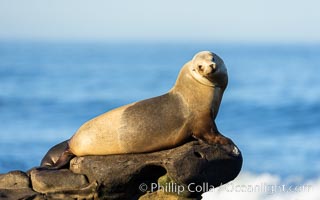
(64, 159)
(61, 162)
(54, 153)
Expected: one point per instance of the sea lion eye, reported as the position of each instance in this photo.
(200, 66)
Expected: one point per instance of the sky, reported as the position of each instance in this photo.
(166, 20)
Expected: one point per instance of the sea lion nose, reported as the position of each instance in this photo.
(213, 67)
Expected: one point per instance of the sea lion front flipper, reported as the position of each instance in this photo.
(212, 136)
(226, 143)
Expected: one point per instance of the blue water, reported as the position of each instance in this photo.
(271, 108)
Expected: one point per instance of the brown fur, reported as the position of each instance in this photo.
(187, 110)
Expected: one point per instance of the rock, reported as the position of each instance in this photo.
(159, 195)
(53, 181)
(182, 173)
(14, 180)
(89, 192)
(25, 193)
(15, 185)
(185, 171)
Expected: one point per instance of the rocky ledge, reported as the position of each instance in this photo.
(184, 172)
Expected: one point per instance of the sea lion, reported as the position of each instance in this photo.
(53, 155)
(187, 111)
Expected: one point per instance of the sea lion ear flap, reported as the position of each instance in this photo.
(196, 56)
(193, 63)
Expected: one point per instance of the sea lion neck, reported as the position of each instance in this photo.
(192, 90)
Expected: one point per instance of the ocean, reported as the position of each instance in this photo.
(271, 108)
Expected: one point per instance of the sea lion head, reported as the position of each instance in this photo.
(209, 69)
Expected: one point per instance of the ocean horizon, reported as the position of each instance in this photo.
(270, 109)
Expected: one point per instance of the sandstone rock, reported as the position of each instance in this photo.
(159, 195)
(53, 181)
(16, 185)
(14, 180)
(25, 193)
(89, 192)
(169, 174)
(132, 175)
